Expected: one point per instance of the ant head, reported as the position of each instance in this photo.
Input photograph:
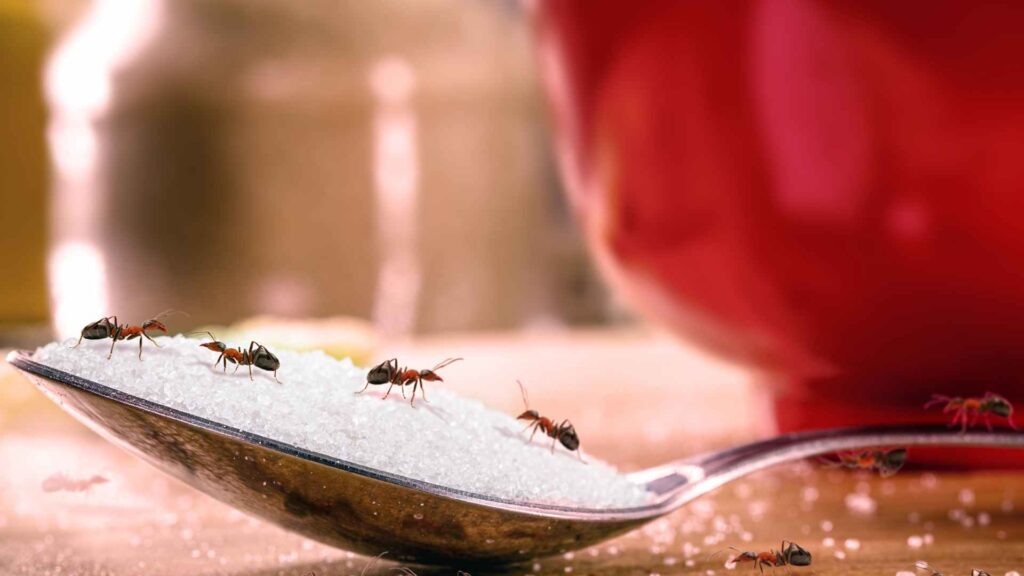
(430, 376)
(262, 358)
(796, 555)
(383, 373)
(529, 415)
(154, 325)
(999, 406)
(567, 436)
(216, 346)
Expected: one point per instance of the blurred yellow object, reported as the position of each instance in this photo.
(23, 164)
(338, 336)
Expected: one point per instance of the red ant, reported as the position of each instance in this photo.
(110, 328)
(791, 554)
(257, 355)
(563, 432)
(388, 372)
(886, 462)
(983, 407)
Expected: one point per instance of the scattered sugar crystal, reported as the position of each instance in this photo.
(1006, 505)
(860, 503)
(928, 539)
(809, 494)
(905, 573)
(852, 544)
(839, 554)
(1013, 573)
(826, 526)
(914, 517)
(452, 441)
(828, 542)
(670, 561)
(966, 496)
(915, 541)
(1001, 534)
(690, 563)
(984, 519)
(929, 480)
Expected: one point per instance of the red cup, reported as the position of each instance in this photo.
(832, 191)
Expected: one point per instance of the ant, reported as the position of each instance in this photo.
(257, 355)
(563, 432)
(886, 462)
(983, 407)
(388, 372)
(790, 554)
(110, 328)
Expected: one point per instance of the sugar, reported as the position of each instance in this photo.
(451, 441)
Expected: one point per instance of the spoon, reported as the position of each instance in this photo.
(369, 511)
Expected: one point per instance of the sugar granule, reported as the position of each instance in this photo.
(451, 441)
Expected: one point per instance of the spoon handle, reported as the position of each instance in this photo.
(679, 482)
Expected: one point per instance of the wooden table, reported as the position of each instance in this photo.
(637, 399)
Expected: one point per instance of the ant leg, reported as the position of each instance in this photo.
(423, 391)
(536, 426)
(974, 419)
(275, 378)
(553, 442)
(250, 372)
(140, 348)
(388, 392)
(148, 337)
(112, 342)
(415, 385)
(988, 421)
(361, 391)
(82, 335)
(580, 456)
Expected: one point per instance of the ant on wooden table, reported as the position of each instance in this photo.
(983, 407)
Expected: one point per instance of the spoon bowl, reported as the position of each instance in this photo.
(370, 511)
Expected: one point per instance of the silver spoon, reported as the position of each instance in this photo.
(370, 511)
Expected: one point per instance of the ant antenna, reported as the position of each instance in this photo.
(522, 391)
(372, 562)
(444, 363)
(212, 337)
(169, 312)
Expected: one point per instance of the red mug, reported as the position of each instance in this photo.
(833, 191)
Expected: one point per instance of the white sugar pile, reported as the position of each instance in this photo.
(451, 441)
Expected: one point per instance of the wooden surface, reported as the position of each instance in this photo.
(636, 399)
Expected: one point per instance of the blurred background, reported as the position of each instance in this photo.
(386, 161)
